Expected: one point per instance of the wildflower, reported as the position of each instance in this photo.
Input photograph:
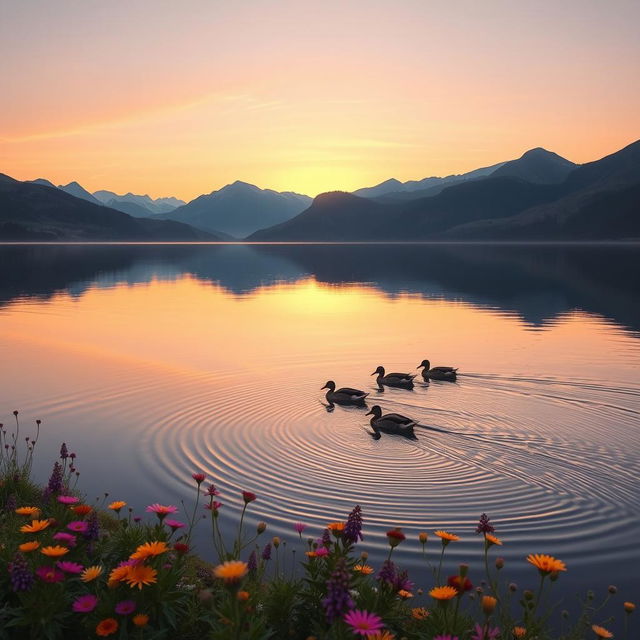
(513, 587)
(395, 537)
(419, 613)
(26, 547)
(519, 632)
(601, 632)
(55, 480)
(447, 637)
(19, 575)
(248, 497)
(161, 511)
(321, 552)
(213, 506)
(446, 537)
(35, 526)
(485, 633)
(119, 574)
(336, 528)
(364, 569)
(311, 554)
(252, 564)
(362, 622)
(140, 620)
(442, 594)
(275, 541)
(231, 571)
(49, 574)
(67, 539)
(388, 572)
(28, 511)
(338, 599)
(261, 528)
(353, 528)
(91, 573)
(299, 528)
(325, 541)
(243, 596)
(181, 547)
(500, 563)
(423, 537)
(81, 509)
(484, 526)
(54, 551)
(148, 550)
(64, 452)
(79, 526)
(401, 582)
(381, 635)
(117, 505)
(266, 552)
(69, 500)
(629, 607)
(139, 575)
(404, 594)
(546, 564)
(199, 477)
(460, 583)
(125, 607)
(488, 605)
(612, 589)
(85, 604)
(107, 627)
(212, 491)
(69, 567)
(491, 540)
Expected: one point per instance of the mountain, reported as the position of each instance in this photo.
(43, 182)
(74, 189)
(239, 209)
(122, 203)
(537, 165)
(131, 208)
(31, 211)
(597, 200)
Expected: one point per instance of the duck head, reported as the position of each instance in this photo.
(426, 364)
(379, 371)
(376, 411)
(330, 384)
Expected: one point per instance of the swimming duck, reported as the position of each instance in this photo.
(437, 373)
(345, 395)
(394, 379)
(390, 423)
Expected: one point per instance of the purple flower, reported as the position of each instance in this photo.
(338, 599)
(93, 528)
(447, 637)
(69, 567)
(402, 582)
(485, 633)
(353, 529)
(125, 607)
(11, 504)
(483, 525)
(55, 480)
(19, 574)
(326, 538)
(388, 572)
(299, 528)
(85, 604)
(266, 552)
(252, 562)
(64, 453)
(66, 538)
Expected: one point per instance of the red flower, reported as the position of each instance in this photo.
(395, 536)
(199, 477)
(461, 584)
(248, 497)
(181, 547)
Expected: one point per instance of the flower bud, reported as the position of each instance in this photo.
(488, 605)
(243, 596)
(513, 587)
(564, 614)
(204, 595)
(261, 527)
(590, 595)
(479, 590)
(499, 563)
(395, 537)
(423, 537)
(421, 591)
(553, 576)
(464, 570)
(528, 595)
(276, 541)
(612, 589)
(629, 607)
(364, 555)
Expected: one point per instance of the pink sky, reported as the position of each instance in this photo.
(180, 98)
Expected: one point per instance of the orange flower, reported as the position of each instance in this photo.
(491, 540)
(91, 573)
(381, 635)
(139, 575)
(629, 607)
(423, 537)
(243, 596)
(54, 552)
(149, 549)
(364, 569)
(488, 605)
(311, 554)
(404, 594)
(519, 632)
(419, 613)
(601, 632)
(35, 526)
(546, 564)
(443, 593)
(336, 528)
(29, 546)
(107, 627)
(231, 571)
(117, 505)
(446, 537)
(119, 574)
(81, 509)
(141, 620)
(28, 511)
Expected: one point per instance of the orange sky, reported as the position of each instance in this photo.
(168, 98)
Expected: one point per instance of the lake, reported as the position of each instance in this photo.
(156, 361)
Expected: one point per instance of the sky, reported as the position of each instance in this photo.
(180, 98)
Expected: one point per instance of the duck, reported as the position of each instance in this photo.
(392, 423)
(345, 395)
(394, 379)
(437, 373)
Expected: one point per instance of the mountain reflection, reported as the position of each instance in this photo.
(537, 282)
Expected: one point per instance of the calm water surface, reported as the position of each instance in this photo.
(153, 362)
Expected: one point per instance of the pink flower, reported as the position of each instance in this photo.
(322, 551)
(215, 505)
(248, 497)
(199, 477)
(69, 567)
(299, 527)
(49, 574)
(363, 622)
(447, 637)
(485, 633)
(68, 499)
(79, 526)
(161, 510)
(67, 539)
(175, 524)
(85, 604)
(125, 607)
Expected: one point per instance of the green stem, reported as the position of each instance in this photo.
(440, 564)
(539, 595)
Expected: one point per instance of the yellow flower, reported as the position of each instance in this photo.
(54, 552)
(419, 613)
(519, 632)
(364, 569)
(29, 546)
(443, 593)
(446, 537)
(629, 607)
(546, 564)
(492, 539)
(601, 632)
(488, 604)
(28, 511)
(117, 505)
(35, 526)
(404, 594)
(91, 573)
(149, 549)
(139, 575)
(141, 620)
(231, 571)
